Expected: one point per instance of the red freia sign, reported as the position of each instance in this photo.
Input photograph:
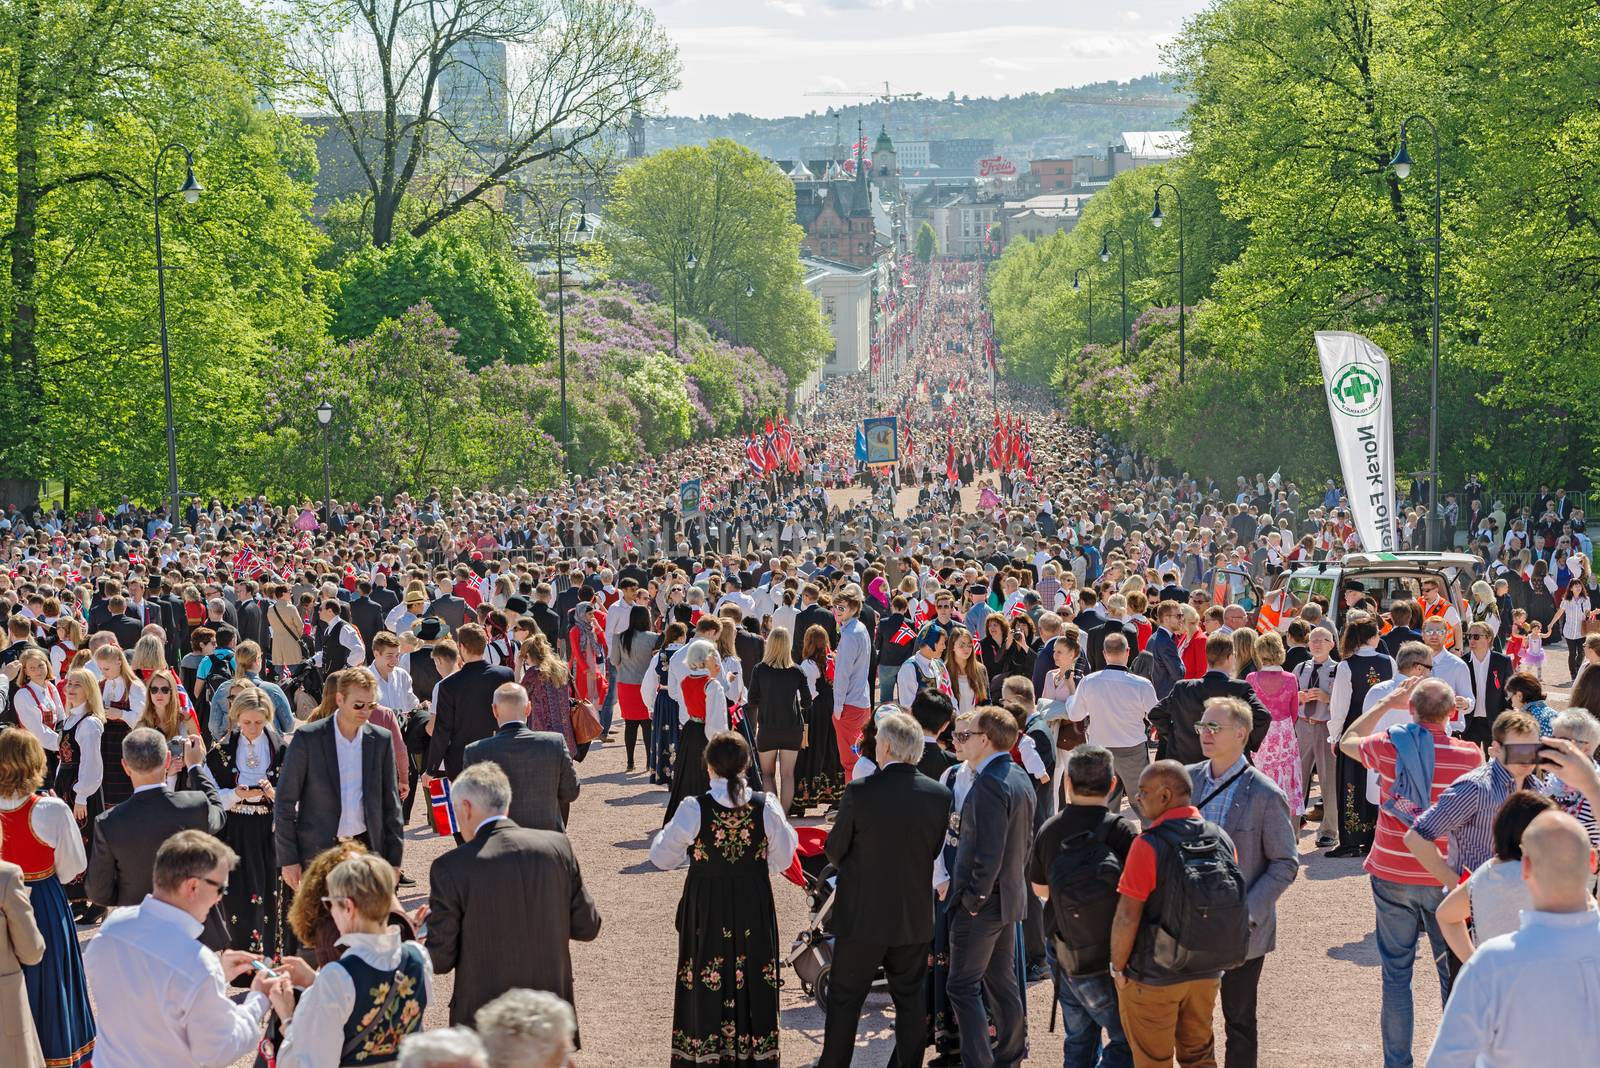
(996, 165)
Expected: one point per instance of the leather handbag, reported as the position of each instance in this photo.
(585, 723)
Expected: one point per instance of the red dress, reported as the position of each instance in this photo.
(580, 670)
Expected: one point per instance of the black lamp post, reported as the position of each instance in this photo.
(1088, 304)
(190, 190)
(689, 265)
(1156, 219)
(325, 417)
(1402, 170)
(1122, 259)
(738, 311)
(561, 313)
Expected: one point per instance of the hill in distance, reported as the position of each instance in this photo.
(1027, 126)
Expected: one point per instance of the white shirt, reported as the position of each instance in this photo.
(315, 1035)
(112, 690)
(1450, 668)
(918, 671)
(352, 820)
(51, 820)
(91, 770)
(395, 692)
(1523, 998)
(671, 846)
(1339, 696)
(261, 749)
(1117, 704)
(30, 700)
(160, 998)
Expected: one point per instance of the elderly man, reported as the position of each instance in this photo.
(448, 1047)
(527, 1029)
(1117, 704)
(544, 782)
(1255, 813)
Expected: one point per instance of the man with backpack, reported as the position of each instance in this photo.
(1182, 921)
(1254, 812)
(1074, 867)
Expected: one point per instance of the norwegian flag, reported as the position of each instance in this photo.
(910, 447)
(627, 545)
(950, 475)
(444, 814)
(753, 455)
(797, 459)
(247, 564)
(785, 443)
(769, 449)
(999, 453)
(1018, 609)
(1024, 449)
(905, 635)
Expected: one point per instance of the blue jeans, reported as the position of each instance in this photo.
(1405, 910)
(609, 706)
(1088, 1006)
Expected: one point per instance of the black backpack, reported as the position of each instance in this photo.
(1083, 897)
(1203, 925)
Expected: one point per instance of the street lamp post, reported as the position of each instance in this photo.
(325, 417)
(561, 314)
(688, 265)
(1156, 219)
(1122, 260)
(1088, 304)
(190, 190)
(1402, 170)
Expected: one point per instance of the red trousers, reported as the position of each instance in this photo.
(847, 732)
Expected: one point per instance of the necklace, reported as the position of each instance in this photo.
(252, 759)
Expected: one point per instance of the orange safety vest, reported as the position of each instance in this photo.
(1439, 609)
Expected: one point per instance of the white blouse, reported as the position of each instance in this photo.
(113, 689)
(31, 701)
(672, 843)
(52, 821)
(91, 770)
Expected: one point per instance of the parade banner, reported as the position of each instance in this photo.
(1360, 396)
(689, 497)
(883, 440)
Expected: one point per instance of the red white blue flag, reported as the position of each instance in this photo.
(444, 814)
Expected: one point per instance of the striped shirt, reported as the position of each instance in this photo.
(1216, 809)
(1464, 814)
(1389, 858)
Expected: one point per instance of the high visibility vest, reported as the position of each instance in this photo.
(1272, 610)
(1441, 608)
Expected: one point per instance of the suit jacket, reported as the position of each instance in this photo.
(1096, 639)
(544, 782)
(1264, 838)
(20, 943)
(888, 832)
(465, 715)
(305, 817)
(813, 615)
(508, 887)
(126, 837)
(935, 761)
(1168, 664)
(450, 608)
(253, 623)
(1176, 714)
(367, 615)
(996, 833)
(1494, 702)
(127, 629)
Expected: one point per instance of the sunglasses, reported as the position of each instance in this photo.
(161, 689)
(1209, 726)
(962, 736)
(221, 888)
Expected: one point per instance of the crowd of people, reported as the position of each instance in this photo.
(997, 699)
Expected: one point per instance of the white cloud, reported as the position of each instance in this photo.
(788, 7)
(1132, 16)
(996, 63)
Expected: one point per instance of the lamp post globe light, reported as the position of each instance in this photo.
(689, 264)
(325, 417)
(1122, 268)
(570, 202)
(190, 191)
(1401, 165)
(1157, 218)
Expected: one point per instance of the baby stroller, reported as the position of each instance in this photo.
(811, 955)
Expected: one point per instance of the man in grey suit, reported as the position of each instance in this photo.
(338, 781)
(544, 782)
(1254, 811)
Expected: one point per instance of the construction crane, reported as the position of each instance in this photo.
(886, 96)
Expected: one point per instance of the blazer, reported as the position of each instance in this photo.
(367, 615)
(1095, 641)
(1493, 703)
(1168, 664)
(1176, 714)
(1264, 838)
(935, 761)
(885, 838)
(464, 715)
(544, 782)
(813, 615)
(508, 887)
(20, 944)
(996, 833)
(305, 817)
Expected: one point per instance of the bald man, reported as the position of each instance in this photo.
(1531, 996)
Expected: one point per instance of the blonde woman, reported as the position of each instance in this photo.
(244, 764)
(1244, 652)
(69, 639)
(704, 713)
(549, 701)
(967, 674)
(35, 703)
(80, 769)
(778, 705)
(1484, 607)
(120, 689)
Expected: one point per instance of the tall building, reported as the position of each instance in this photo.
(472, 93)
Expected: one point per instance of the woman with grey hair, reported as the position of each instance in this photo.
(1583, 730)
(449, 1047)
(526, 1029)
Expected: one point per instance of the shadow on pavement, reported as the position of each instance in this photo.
(1363, 953)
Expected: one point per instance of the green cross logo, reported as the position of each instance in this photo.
(1356, 390)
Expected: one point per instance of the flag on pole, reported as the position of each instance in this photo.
(861, 443)
(752, 454)
(950, 475)
(784, 441)
(769, 448)
(247, 564)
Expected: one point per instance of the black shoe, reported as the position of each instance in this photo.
(946, 1060)
(1343, 851)
(1326, 841)
(88, 913)
(405, 880)
(1038, 972)
(630, 765)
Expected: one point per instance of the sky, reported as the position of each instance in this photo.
(763, 56)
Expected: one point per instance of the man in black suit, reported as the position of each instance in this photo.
(1095, 637)
(1175, 716)
(544, 615)
(338, 781)
(366, 613)
(933, 711)
(252, 613)
(987, 893)
(889, 830)
(127, 628)
(447, 606)
(383, 594)
(508, 886)
(544, 782)
(127, 836)
(812, 614)
(1171, 591)
(1489, 671)
(465, 711)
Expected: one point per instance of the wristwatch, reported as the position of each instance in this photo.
(1117, 973)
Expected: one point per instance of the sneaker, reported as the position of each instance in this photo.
(1326, 841)
(1038, 972)
(405, 880)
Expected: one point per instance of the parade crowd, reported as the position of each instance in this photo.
(1060, 744)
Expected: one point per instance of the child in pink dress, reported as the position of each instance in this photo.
(1279, 755)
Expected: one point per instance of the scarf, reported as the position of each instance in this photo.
(1412, 791)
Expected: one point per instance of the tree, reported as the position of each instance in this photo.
(927, 243)
(447, 100)
(487, 297)
(733, 212)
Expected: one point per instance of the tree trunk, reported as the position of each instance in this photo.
(22, 347)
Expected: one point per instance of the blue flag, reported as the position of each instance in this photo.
(861, 443)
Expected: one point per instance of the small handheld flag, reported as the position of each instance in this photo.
(905, 635)
(444, 815)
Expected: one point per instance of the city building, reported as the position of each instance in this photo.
(845, 292)
(472, 91)
(958, 157)
(1040, 216)
(1050, 175)
(913, 155)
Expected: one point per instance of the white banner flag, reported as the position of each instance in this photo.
(1360, 395)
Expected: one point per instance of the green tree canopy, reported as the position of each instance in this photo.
(927, 243)
(733, 213)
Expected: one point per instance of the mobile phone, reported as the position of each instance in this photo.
(175, 747)
(1544, 761)
(263, 969)
(1520, 752)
